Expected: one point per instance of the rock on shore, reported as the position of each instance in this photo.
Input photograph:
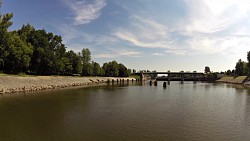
(11, 84)
(233, 80)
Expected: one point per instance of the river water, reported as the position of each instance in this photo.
(134, 112)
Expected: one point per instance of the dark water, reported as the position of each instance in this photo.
(201, 111)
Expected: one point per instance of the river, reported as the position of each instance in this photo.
(134, 112)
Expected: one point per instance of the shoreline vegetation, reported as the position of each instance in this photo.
(37, 52)
(14, 84)
(45, 63)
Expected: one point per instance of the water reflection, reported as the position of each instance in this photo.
(129, 111)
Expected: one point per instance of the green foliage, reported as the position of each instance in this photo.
(5, 23)
(19, 53)
(212, 76)
(86, 58)
(241, 68)
(129, 72)
(111, 68)
(114, 69)
(123, 71)
(90, 69)
(135, 76)
(207, 69)
(39, 52)
(228, 72)
(96, 69)
(75, 61)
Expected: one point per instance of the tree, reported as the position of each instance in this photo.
(48, 53)
(43, 53)
(134, 71)
(123, 71)
(67, 68)
(102, 72)
(207, 69)
(228, 72)
(96, 69)
(86, 58)
(19, 55)
(129, 72)
(75, 61)
(241, 68)
(90, 69)
(5, 23)
(59, 52)
(233, 71)
(114, 68)
(25, 32)
(111, 69)
(77, 65)
(41, 61)
(105, 69)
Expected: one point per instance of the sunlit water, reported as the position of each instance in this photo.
(189, 111)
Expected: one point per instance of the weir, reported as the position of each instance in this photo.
(174, 76)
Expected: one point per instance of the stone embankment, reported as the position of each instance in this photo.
(12, 84)
(234, 80)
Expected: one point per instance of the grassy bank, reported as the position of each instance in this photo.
(233, 79)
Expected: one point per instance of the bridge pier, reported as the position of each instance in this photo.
(168, 80)
(142, 77)
(164, 84)
(195, 78)
(155, 83)
(182, 78)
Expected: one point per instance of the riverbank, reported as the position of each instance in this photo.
(234, 80)
(12, 84)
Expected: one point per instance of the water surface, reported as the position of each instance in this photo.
(189, 111)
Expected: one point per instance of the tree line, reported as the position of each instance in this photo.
(241, 67)
(39, 52)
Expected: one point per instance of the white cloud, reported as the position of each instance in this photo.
(214, 26)
(84, 11)
(145, 33)
(209, 16)
(209, 27)
(115, 53)
(157, 54)
(178, 51)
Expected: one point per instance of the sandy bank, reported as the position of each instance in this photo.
(11, 84)
(232, 79)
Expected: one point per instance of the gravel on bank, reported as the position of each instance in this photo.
(11, 84)
(233, 80)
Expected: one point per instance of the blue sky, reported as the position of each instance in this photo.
(145, 34)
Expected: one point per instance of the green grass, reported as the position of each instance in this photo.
(19, 74)
(2, 74)
(135, 76)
